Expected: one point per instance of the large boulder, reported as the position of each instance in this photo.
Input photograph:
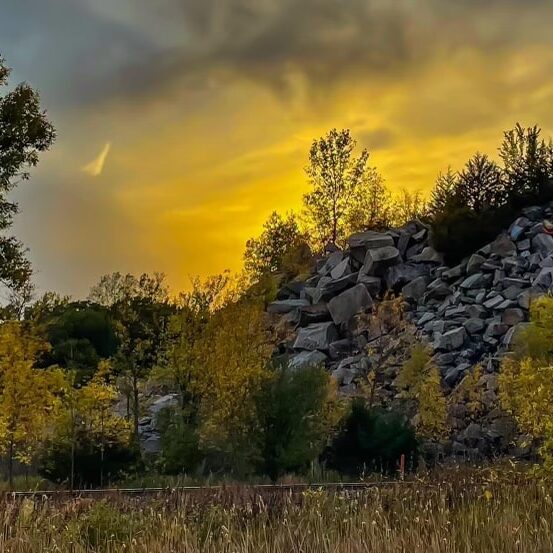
(503, 246)
(330, 262)
(474, 263)
(544, 279)
(475, 281)
(311, 314)
(428, 255)
(517, 229)
(291, 290)
(317, 336)
(403, 273)
(379, 259)
(474, 325)
(415, 289)
(543, 243)
(372, 283)
(342, 269)
(328, 287)
(343, 307)
(451, 340)
(306, 359)
(370, 240)
(513, 316)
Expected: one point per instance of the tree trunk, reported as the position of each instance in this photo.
(10, 465)
(72, 475)
(135, 410)
(102, 447)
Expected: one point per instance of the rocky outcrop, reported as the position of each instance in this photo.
(467, 314)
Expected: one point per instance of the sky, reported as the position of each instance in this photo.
(183, 123)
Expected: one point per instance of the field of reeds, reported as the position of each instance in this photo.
(461, 514)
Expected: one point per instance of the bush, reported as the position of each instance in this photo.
(296, 411)
(371, 439)
(55, 463)
(180, 444)
(459, 231)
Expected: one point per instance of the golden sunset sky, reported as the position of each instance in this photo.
(183, 123)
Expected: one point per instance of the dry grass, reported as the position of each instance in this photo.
(480, 514)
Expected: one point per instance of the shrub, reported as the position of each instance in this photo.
(297, 411)
(55, 462)
(526, 379)
(371, 439)
(180, 443)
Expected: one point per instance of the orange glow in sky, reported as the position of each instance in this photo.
(182, 125)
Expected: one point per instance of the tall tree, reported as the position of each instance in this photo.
(180, 364)
(28, 396)
(335, 174)
(481, 184)
(527, 159)
(234, 350)
(140, 326)
(24, 132)
(444, 192)
(95, 408)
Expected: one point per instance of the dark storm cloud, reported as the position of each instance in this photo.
(86, 55)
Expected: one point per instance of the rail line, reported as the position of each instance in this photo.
(214, 490)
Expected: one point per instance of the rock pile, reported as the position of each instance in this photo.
(346, 283)
(468, 314)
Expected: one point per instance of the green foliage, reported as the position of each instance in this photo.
(28, 395)
(280, 247)
(141, 322)
(370, 205)
(55, 461)
(414, 369)
(481, 185)
(90, 441)
(421, 379)
(527, 161)
(432, 406)
(117, 288)
(25, 132)
(371, 439)
(536, 340)
(296, 410)
(180, 442)
(526, 379)
(471, 208)
(335, 175)
(234, 350)
(80, 333)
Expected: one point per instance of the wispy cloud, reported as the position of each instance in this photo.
(96, 166)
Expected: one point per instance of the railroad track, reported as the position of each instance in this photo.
(255, 489)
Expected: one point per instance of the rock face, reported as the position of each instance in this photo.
(467, 314)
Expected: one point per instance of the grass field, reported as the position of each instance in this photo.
(482, 513)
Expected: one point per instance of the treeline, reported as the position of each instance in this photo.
(75, 380)
(76, 376)
(466, 209)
